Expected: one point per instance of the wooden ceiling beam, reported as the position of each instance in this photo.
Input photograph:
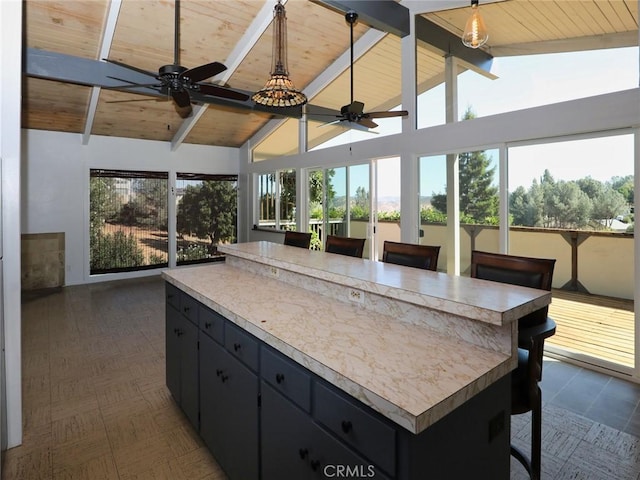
(107, 40)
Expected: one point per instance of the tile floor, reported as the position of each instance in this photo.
(95, 404)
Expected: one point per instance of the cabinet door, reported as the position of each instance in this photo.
(331, 458)
(172, 342)
(286, 438)
(228, 410)
(211, 400)
(189, 399)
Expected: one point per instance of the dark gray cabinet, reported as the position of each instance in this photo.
(294, 446)
(229, 410)
(265, 416)
(181, 338)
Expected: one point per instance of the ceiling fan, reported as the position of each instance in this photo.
(354, 112)
(177, 82)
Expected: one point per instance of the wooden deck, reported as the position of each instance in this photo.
(601, 327)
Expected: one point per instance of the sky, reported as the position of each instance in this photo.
(525, 82)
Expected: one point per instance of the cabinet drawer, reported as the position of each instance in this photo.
(242, 345)
(211, 323)
(189, 307)
(369, 435)
(286, 377)
(172, 296)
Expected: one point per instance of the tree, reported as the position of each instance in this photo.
(360, 204)
(608, 205)
(149, 205)
(525, 206)
(478, 196)
(209, 210)
(565, 205)
(624, 185)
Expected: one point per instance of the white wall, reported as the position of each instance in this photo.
(55, 181)
(10, 96)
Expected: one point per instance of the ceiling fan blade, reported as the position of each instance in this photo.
(133, 85)
(181, 98)
(159, 99)
(395, 113)
(331, 123)
(216, 91)
(131, 67)
(367, 122)
(203, 72)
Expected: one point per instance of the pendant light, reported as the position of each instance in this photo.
(279, 90)
(475, 32)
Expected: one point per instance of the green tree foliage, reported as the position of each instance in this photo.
(317, 188)
(149, 204)
(624, 185)
(288, 195)
(360, 209)
(478, 196)
(568, 204)
(114, 250)
(209, 210)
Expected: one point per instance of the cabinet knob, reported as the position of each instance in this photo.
(218, 372)
(279, 377)
(186, 309)
(224, 378)
(315, 465)
(236, 347)
(179, 332)
(346, 426)
(207, 324)
(304, 453)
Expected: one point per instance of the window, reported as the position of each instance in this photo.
(277, 200)
(206, 215)
(531, 80)
(127, 220)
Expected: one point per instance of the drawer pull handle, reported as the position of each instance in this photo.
(279, 377)
(224, 378)
(218, 372)
(207, 324)
(346, 426)
(186, 309)
(179, 332)
(304, 453)
(315, 465)
(236, 347)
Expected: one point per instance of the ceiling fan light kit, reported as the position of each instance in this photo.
(279, 90)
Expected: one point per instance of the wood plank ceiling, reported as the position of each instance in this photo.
(317, 37)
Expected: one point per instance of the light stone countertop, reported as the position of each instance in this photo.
(481, 300)
(408, 372)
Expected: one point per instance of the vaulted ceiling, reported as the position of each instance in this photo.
(238, 33)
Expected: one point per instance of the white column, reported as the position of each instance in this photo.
(453, 186)
(409, 178)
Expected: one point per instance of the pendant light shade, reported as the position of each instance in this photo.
(475, 32)
(279, 90)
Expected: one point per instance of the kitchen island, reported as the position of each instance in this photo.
(372, 368)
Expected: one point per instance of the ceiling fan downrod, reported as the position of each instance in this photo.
(351, 17)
